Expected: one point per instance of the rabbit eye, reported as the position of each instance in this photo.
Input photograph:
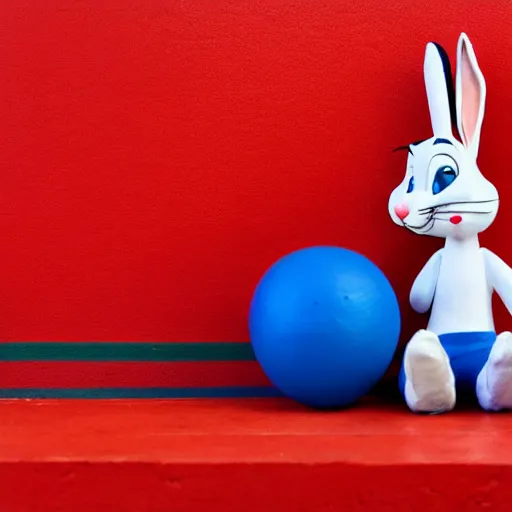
(444, 177)
(443, 170)
(410, 186)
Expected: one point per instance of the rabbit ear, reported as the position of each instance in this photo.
(439, 85)
(471, 92)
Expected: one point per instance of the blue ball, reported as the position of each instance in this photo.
(324, 324)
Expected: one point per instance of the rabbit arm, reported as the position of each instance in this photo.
(424, 286)
(499, 276)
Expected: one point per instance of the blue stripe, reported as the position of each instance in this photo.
(113, 393)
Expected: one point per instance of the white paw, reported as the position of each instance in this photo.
(494, 383)
(430, 384)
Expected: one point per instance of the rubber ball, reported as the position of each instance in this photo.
(324, 325)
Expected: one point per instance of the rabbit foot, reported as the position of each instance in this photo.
(430, 383)
(494, 383)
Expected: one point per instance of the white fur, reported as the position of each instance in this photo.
(436, 92)
(430, 385)
(494, 384)
(457, 282)
(465, 44)
(499, 275)
(463, 295)
(424, 286)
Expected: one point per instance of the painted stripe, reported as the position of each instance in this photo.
(131, 375)
(99, 351)
(122, 393)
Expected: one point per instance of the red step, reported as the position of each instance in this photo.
(249, 455)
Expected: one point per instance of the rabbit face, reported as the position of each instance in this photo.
(443, 192)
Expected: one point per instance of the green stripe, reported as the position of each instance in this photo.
(99, 351)
(113, 393)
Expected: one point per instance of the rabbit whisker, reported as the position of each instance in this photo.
(430, 208)
(423, 226)
(429, 225)
(462, 211)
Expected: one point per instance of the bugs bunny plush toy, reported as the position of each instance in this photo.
(444, 194)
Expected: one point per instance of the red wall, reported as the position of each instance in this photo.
(156, 156)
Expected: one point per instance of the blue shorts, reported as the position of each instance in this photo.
(468, 353)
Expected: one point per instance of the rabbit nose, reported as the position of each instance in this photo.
(401, 210)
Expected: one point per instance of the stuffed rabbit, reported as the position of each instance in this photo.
(444, 194)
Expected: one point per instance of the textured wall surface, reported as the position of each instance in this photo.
(157, 156)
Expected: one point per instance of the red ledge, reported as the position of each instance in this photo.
(249, 455)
